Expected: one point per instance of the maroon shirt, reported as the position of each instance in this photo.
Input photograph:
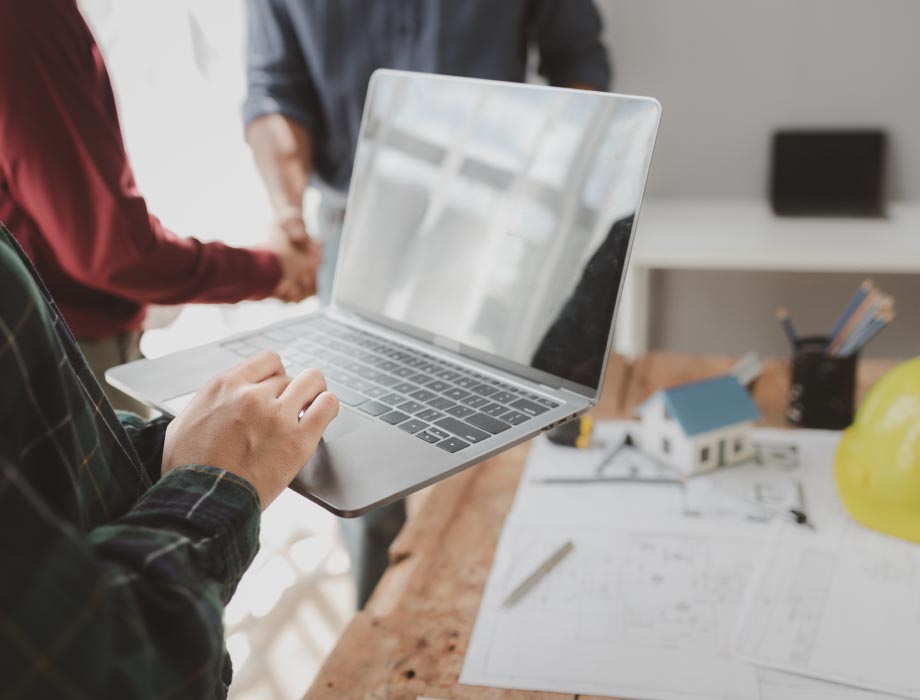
(67, 191)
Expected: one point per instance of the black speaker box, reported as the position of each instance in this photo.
(828, 173)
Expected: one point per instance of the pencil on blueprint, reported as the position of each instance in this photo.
(537, 575)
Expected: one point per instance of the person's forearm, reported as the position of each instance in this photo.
(65, 160)
(137, 613)
(283, 152)
(147, 438)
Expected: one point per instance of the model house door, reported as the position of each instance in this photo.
(722, 448)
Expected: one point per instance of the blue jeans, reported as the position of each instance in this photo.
(367, 538)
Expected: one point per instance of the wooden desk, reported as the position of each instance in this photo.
(411, 638)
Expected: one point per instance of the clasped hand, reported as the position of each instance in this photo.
(300, 257)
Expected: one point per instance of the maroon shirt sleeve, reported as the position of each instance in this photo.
(62, 154)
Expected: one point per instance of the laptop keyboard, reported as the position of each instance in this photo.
(439, 402)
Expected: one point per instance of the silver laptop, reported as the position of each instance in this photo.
(485, 244)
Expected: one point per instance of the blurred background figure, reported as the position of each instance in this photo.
(68, 194)
(308, 72)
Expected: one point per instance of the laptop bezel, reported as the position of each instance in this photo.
(516, 368)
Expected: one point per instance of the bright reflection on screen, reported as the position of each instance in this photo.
(496, 215)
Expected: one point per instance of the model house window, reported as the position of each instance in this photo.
(704, 454)
(666, 446)
(739, 445)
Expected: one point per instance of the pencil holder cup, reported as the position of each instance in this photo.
(822, 387)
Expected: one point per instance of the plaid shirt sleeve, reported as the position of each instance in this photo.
(112, 580)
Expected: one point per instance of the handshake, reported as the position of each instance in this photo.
(300, 257)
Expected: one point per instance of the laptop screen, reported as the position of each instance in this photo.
(496, 218)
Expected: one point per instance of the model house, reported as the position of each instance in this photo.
(699, 426)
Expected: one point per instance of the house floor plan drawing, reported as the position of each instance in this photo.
(620, 606)
(646, 603)
(808, 612)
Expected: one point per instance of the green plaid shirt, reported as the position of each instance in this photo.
(112, 580)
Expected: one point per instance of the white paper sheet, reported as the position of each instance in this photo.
(841, 604)
(646, 604)
(624, 606)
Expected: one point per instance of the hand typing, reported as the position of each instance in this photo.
(255, 422)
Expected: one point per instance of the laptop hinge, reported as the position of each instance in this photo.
(446, 344)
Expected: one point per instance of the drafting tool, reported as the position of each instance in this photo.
(573, 480)
(537, 575)
(800, 515)
(662, 473)
(609, 457)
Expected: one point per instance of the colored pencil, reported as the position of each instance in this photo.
(855, 341)
(885, 320)
(882, 304)
(854, 302)
(873, 329)
(864, 306)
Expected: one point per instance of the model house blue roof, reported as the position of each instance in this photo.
(708, 405)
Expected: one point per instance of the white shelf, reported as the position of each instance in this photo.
(746, 235)
(676, 234)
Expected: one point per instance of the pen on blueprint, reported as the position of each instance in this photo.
(537, 575)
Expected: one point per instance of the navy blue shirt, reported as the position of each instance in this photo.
(311, 60)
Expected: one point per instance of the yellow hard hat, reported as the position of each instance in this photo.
(877, 465)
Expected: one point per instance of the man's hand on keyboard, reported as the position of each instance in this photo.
(255, 422)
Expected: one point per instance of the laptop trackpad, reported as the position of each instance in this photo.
(323, 473)
(348, 421)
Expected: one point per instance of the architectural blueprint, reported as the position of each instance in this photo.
(842, 605)
(646, 603)
(624, 605)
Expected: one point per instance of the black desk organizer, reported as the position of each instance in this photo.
(822, 388)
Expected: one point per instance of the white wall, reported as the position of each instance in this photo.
(728, 72)
(733, 312)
